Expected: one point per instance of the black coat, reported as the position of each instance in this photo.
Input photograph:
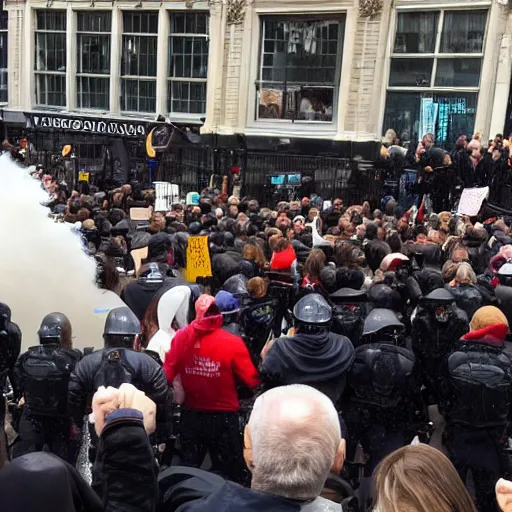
(148, 376)
(318, 360)
(124, 473)
(43, 482)
(10, 347)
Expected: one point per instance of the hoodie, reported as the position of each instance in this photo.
(209, 361)
(491, 334)
(319, 360)
(283, 260)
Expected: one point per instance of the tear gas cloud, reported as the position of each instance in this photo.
(44, 268)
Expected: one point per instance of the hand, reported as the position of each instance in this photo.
(132, 398)
(104, 402)
(504, 494)
(266, 348)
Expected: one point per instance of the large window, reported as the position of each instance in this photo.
(299, 68)
(93, 59)
(50, 58)
(138, 68)
(3, 56)
(435, 74)
(188, 63)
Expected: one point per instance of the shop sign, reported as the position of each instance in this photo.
(84, 125)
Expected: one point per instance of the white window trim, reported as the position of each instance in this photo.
(168, 107)
(40, 72)
(79, 75)
(5, 32)
(441, 8)
(138, 78)
(252, 34)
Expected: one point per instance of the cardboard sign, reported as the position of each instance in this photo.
(198, 259)
(140, 213)
(471, 200)
(138, 255)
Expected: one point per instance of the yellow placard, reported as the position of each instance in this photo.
(198, 259)
(83, 176)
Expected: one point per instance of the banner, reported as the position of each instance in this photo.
(198, 259)
(471, 200)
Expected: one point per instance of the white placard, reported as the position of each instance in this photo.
(166, 194)
(471, 200)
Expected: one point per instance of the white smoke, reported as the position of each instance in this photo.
(43, 266)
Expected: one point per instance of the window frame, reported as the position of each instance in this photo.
(40, 73)
(256, 83)
(171, 80)
(79, 75)
(437, 55)
(4, 72)
(123, 78)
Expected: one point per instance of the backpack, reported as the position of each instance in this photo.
(381, 374)
(46, 371)
(480, 383)
(114, 369)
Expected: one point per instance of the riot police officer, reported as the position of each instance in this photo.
(313, 355)
(10, 346)
(384, 396)
(116, 364)
(436, 326)
(43, 374)
(475, 401)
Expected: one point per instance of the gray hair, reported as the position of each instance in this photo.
(295, 434)
(465, 274)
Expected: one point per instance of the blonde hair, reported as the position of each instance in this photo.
(420, 479)
(465, 274)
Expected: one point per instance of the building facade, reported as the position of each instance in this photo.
(294, 77)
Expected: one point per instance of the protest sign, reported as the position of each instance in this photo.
(198, 259)
(471, 200)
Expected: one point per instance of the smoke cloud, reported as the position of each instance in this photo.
(43, 266)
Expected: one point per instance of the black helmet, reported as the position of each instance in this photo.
(55, 329)
(151, 273)
(382, 325)
(313, 313)
(121, 322)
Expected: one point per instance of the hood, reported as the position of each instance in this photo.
(203, 303)
(174, 304)
(492, 334)
(326, 354)
(208, 324)
(41, 482)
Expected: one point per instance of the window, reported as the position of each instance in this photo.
(299, 69)
(435, 74)
(50, 58)
(3, 56)
(93, 59)
(138, 67)
(188, 63)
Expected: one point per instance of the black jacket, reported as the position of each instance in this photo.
(10, 347)
(148, 376)
(468, 298)
(43, 482)
(318, 360)
(124, 473)
(138, 295)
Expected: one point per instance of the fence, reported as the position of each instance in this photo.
(191, 167)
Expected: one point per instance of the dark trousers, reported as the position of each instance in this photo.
(217, 433)
(478, 451)
(38, 433)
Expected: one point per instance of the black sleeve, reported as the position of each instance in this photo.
(157, 388)
(78, 392)
(17, 382)
(124, 474)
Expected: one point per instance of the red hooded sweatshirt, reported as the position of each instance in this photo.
(208, 360)
(493, 334)
(283, 260)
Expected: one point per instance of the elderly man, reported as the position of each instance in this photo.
(291, 444)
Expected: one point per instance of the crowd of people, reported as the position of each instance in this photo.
(339, 358)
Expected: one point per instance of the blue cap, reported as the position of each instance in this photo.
(227, 302)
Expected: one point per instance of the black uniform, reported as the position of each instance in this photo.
(10, 347)
(43, 375)
(113, 367)
(437, 325)
(475, 399)
(385, 397)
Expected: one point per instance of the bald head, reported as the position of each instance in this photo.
(294, 440)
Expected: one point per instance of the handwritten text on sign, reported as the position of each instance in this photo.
(471, 200)
(198, 259)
